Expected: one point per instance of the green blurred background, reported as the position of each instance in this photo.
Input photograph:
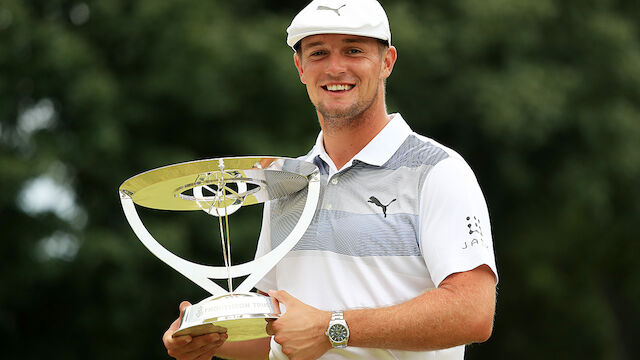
(542, 97)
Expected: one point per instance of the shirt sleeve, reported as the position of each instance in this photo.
(455, 233)
(268, 282)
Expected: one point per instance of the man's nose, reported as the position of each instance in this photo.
(335, 65)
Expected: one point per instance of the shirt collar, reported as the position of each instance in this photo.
(378, 151)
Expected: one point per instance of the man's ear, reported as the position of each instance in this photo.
(298, 62)
(389, 60)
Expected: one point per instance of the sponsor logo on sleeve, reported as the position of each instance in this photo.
(475, 233)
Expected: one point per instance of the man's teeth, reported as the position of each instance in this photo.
(339, 87)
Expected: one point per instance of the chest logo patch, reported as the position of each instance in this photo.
(377, 202)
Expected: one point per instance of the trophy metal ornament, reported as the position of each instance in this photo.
(221, 187)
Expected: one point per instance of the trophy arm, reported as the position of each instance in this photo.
(195, 272)
(202, 274)
(258, 268)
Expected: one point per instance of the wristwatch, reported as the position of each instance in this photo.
(338, 331)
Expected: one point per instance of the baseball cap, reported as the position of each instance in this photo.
(351, 17)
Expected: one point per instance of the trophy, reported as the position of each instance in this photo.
(221, 187)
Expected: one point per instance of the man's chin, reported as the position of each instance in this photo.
(338, 113)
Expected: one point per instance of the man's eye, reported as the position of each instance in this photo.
(354, 51)
(317, 53)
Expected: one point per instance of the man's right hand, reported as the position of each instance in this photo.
(187, 347)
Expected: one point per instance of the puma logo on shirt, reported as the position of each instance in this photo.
(377, 202)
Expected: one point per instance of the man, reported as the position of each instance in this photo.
(400, 249)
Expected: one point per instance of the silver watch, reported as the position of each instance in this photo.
(338, 331)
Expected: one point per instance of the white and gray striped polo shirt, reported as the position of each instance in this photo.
(395, 221)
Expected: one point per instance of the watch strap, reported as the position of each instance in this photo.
(337, 315)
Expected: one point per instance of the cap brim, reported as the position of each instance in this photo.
(293, 40)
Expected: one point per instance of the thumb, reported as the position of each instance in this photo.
(282, 296)
(183, 306)
(176, 324)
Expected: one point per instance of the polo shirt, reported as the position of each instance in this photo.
(392, 223)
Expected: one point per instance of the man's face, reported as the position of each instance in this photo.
(344, 74)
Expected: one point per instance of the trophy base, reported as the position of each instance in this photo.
(242, 316)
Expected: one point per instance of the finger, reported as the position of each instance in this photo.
(269, 328)
(183, 306)
(177, 342)
(198, 346)
(282, 296)
(176, 324)
(207, 355)
(206, 351)
(276, 305)
(167, 338)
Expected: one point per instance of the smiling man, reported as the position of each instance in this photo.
(342, 74)
(398, 261)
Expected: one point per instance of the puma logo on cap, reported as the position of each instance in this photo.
(337, 11)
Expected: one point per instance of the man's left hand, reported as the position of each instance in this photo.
(301, 330)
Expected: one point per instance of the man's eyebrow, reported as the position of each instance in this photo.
(354, 40)
(346, 41)
(316, 43)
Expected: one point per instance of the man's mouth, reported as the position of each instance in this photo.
(338, 87)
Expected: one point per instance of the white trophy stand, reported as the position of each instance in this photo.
(220, 187)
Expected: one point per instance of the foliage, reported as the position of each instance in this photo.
(540, 96)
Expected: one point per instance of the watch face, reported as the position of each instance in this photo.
(338, 333)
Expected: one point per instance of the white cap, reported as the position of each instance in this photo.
(351, 17)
